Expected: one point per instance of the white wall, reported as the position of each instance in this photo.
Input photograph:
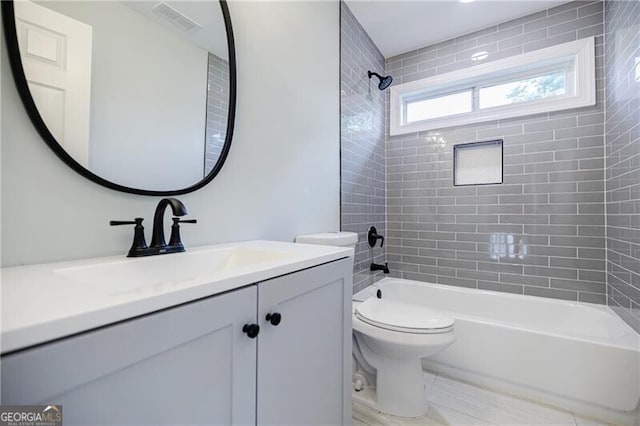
(281, 177)
(159, 104)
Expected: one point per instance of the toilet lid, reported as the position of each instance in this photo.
(405, 317)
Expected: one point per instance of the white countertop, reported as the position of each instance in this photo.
(49, 301)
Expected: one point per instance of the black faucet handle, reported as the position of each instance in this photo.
(137, 221)
(178, 220)
(175, 239)
(139, 244)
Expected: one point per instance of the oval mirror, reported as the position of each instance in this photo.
(137, 96)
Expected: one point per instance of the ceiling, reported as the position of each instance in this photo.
(212, 35)
(402, 25)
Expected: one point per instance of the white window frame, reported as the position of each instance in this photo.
(577, 56)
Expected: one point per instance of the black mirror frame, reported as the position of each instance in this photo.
(11, 38)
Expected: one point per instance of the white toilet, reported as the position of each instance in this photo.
(393, 337)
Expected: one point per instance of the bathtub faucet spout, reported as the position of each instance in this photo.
(377, 267)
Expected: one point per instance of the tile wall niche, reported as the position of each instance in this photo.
(622, 146)
(362, 145)
(217, 110)
(549, 209)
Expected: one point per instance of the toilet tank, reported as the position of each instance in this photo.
(341, 239)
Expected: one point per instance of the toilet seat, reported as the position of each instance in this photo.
(403, 317)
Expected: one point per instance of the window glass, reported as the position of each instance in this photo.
(441, 106)
(525, 90)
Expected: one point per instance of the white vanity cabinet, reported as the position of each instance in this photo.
(186, 365)
(193, 364)
(304, 363)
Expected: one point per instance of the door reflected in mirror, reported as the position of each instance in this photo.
(137, 93)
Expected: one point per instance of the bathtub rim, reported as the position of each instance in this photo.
(631, 345)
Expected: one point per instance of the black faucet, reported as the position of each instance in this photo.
(158, 244)
(157, 237)
(377, 267)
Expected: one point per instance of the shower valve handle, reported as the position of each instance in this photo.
(373, 237)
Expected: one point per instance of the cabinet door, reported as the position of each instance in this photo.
(304, 362)
(186, 365)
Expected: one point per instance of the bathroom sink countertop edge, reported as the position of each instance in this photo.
(44, 302)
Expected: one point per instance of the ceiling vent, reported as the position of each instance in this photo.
(176, 18)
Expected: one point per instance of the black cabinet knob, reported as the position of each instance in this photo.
(252, 330)
(274, 318)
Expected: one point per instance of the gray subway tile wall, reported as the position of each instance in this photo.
(541, 232)
(362, 145)
(217, 110)
(622, 136)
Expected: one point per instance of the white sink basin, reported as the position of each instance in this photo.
(171, 270)
(49, 301)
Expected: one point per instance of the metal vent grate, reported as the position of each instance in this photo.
(175, 17)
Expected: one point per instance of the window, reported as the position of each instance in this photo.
(542, 86)
(439, 106)
(552, 79)
(535, 86)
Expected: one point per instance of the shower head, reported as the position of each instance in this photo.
(384, 81)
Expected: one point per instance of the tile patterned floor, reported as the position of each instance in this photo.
(457, 403)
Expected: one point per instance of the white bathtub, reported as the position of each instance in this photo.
(576, 356)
